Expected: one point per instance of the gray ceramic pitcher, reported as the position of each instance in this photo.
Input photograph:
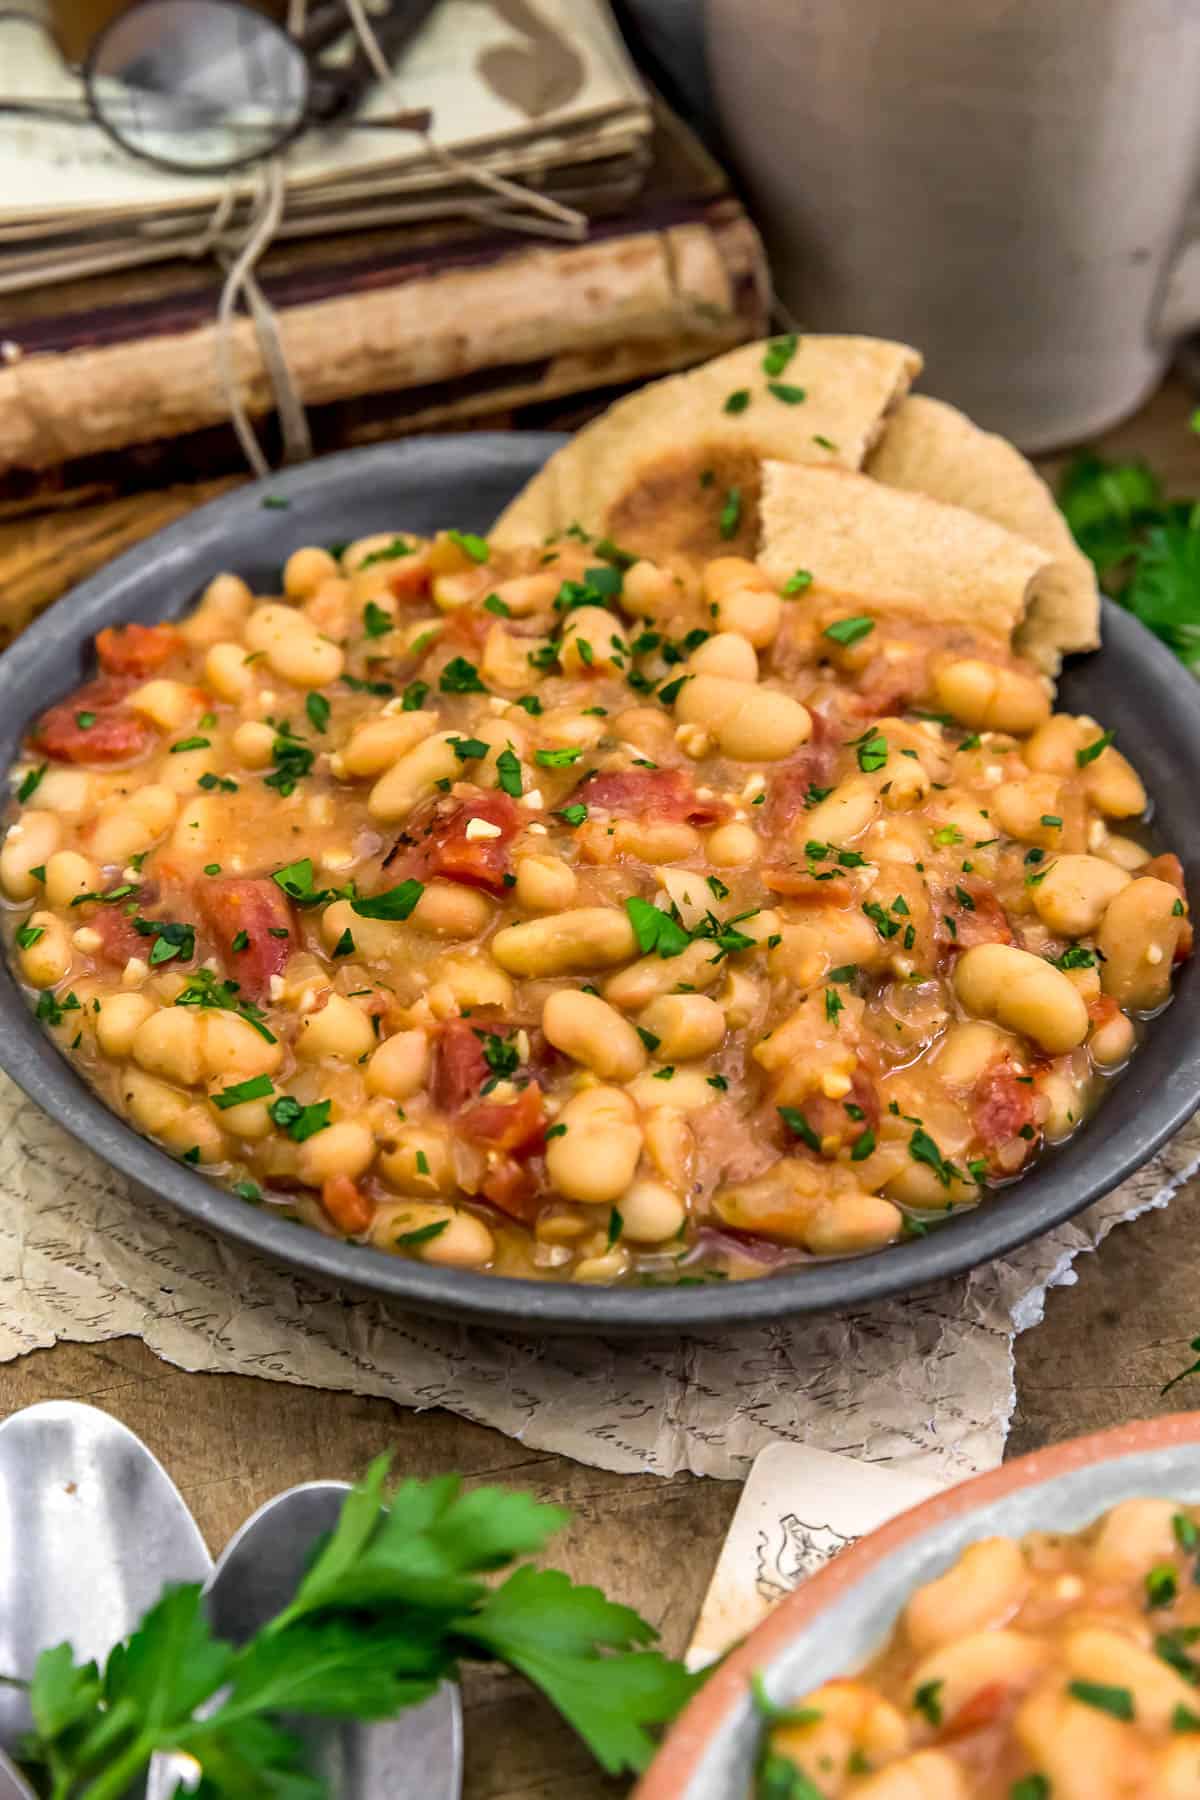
(1004, 183)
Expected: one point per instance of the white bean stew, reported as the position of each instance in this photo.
(551, 913)
(1046, 1668)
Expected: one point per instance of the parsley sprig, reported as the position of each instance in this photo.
(392, 1602)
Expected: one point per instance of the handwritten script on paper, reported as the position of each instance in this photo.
(923, 1383)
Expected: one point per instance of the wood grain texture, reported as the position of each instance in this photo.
(1101, 1355)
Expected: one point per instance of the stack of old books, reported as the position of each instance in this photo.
(400, 302)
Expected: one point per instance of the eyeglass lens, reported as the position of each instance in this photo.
(197, 84)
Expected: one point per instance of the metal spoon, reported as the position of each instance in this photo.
(418, 1755)
(91, 1530)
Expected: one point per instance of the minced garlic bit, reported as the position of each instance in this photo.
(482, 828)
(533, 800)
(135, 972)
(87, 939)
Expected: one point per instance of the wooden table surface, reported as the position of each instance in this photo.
(1100, 1356)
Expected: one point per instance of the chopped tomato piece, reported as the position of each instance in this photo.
(112, 734)
(135, 649)
(118, 939)
(408, 576)
(346, 1205)
(517, 1125)
(255, 905)
(651, 793)
(984, 922)
(1002, 1107)
(795, 784)
(459, 1067)
(1166, 868)
(439, 844)
(984, 1707)
(811, 887)
(468, 626)
(512, 1188)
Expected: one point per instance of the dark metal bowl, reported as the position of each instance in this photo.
(1133, 684)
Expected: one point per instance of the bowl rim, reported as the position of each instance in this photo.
(36, 1064)
(686, 1745)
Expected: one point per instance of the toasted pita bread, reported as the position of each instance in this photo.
(930, 448)
(656, 471)
(879, 550)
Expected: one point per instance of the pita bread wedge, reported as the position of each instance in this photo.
(659, 470)
(930, 448)
(879, 550)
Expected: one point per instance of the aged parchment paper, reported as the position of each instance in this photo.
(924, 1383)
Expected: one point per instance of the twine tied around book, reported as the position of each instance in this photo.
(550, 218)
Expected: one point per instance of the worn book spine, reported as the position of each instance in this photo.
(459, 339)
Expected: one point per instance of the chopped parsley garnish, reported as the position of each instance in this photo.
(717, 1081)
(51, 1011)
(274, 503)
(574, 814)
(29, 935)
(887, 928)
(716, 887)
(834, 1004)
(849, 631)
(648, 1038)
(738, 401)
(203, 989)
(296, 880)
(873, 753)
(657, 932)
(170, 940)
(292, 758)
(395, 903)
(508, 773)
(1051, 822)
(799, 1126)
(782, 390)
(300, 1122)
(1162, 1586)
(460, 677)
(31, 783)
(824, 443)
(345, 945)
(469, 749)
(798, 583)
(616, 1225)
(317, 708)
(864, 1143)
(494, 604)
(386, 553)
(85, 720)
(258, 1087)
(531, 704)
(1096, 748)
(217, 783)
(922, 1149)
(376, 622)
(731, 513)
(1116, 1701)
(414, 696)
(191, 743)
(471, 545)
(422, 1234)
(557, 759)
(382, 689)
(928, 1701)
(779, 353)
(1077, 957)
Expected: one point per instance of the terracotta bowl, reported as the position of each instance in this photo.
(838, 1618)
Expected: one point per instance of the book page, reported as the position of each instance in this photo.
(491, 71)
